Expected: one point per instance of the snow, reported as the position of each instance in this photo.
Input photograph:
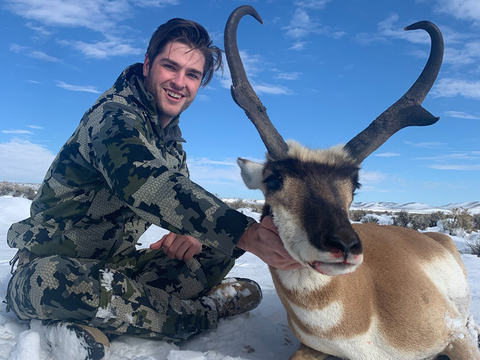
(261, 334)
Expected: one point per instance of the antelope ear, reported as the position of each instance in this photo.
(251, 174)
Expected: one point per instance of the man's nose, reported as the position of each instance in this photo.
(179, 80)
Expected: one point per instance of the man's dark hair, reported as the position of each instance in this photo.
(189, 33)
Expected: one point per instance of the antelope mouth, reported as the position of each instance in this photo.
(335, 268)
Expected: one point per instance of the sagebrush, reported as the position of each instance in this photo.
(18, 190)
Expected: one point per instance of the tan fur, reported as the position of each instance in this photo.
(408, 300)
(330, 156)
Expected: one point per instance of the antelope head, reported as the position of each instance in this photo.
(309, 192)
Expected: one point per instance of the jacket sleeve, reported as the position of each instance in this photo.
(138, 171)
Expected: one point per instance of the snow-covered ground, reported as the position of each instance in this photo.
(262, 334)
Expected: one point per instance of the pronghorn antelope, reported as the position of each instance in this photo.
(406, 295)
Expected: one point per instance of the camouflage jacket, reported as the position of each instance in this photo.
(119, 173)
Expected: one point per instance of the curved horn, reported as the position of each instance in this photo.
(243, 93)
(407, 111)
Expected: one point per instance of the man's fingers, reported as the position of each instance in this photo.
(267, 224)
(169, 239)
(293, 266)
(172, 249)
(181, 247)
(182, 251)
(158, 244)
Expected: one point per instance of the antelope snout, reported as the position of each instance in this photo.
(344, 246)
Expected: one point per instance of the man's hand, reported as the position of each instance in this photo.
(182, 247)
(263, 240)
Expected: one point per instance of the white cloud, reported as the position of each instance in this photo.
(40, 30)
(23, 161)
(202, 97)
(222, 177)
(155, 3)
(449, 87)
(97, 15)
(105, 49)
(462, 115)
(84, 88)
(107, 17)
(313, 4)
(426, 144)
(464, 167)
(371, 177)
(387, 154)
(253, 65)
(460, 9)
(456, 161)
(288, 76)
(17, 48)
(455, 156)
(208, 172)
(40, 55)
(299, 45)
(465, 52)
(263, 88)
(389, 28)
(16, 131)
(300, 24)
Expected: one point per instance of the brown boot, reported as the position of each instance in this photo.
(235, 296)
(95, 340)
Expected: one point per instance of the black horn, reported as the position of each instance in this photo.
(242, 91)
(407, 111)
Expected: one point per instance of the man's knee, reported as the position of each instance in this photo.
(54, 288)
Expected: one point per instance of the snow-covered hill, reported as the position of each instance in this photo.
(473, 207)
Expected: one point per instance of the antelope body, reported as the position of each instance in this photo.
(366, 292)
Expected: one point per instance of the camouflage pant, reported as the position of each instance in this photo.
(144, 294)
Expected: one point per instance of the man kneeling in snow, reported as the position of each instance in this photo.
(122, 170)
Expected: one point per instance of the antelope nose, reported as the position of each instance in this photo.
(342, 245)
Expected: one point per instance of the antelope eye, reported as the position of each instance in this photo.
(274, 182)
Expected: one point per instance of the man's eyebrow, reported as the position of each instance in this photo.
(174, 63)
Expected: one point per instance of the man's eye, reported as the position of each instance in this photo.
(193, 76)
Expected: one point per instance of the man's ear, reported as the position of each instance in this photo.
(146, 65)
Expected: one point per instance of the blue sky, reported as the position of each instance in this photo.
(323, 68)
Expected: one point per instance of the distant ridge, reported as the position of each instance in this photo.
(472, 206)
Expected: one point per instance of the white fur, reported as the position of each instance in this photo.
(303, 280)
(370, 345)
(331, 315)
(449, 279)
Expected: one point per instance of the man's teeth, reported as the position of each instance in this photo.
(175, 95)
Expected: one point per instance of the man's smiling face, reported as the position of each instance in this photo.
(173, 78)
